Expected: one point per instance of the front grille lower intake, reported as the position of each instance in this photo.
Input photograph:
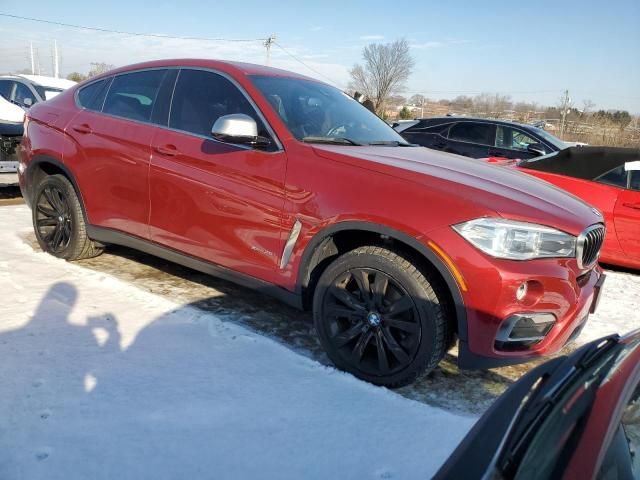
(589, 245)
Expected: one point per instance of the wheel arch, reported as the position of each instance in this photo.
(347, 235)
(43, 165)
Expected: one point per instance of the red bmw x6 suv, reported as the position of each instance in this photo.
(285, 184)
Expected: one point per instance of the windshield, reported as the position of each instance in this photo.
(552, 139)
(315, 112)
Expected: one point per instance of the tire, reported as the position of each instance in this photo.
(379, 318)
(59, 221)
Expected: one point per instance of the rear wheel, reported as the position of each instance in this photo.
(58, 220)
(379, 318)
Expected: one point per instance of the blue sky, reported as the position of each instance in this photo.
(530, 51)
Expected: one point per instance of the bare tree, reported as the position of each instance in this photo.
(99, 67)
(419, 101)
(587, 107)
(385, 72)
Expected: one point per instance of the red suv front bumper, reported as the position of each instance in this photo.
(556, 288)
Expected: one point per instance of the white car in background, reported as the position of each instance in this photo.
(17, 94)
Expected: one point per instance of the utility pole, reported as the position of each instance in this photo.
(565, 103)
(267, 44)
(33, 63)
(56, 63)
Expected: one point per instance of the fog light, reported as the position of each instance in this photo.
(521, 292)
(522, 330)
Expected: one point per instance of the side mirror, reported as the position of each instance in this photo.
(27, 102)
(238, 128)
(536, 149)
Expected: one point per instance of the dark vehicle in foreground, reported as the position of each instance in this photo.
(480, 137)
(607, 178)
(287, 185)
(574, 417)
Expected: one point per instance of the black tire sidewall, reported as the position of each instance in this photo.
(77, 216)
(431, 317)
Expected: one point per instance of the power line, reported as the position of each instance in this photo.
(134, 34)
(303, 63)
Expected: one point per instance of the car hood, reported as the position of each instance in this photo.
(505, 191)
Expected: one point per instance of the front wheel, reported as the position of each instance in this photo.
(379, 317)
(58, 220)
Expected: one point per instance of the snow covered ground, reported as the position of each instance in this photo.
(112, 373)
(102, 380)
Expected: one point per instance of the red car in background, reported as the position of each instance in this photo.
(605, 177)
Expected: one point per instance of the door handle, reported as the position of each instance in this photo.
(632, 205)
(82, 128)
(168, 150)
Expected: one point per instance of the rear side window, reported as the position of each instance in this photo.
(635, 182)
(482, 133)
(616, 177)
(92, 96)
(201, 97)
(133, 95)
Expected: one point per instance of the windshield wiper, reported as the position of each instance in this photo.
(331, 140)
(392, 143)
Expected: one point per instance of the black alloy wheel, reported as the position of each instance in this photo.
(379, 317)
(53, 219)
(59, 221)
(373, 322)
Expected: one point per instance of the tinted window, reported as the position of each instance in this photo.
(616, 177)
(160, 115)
(635, 180)
(439, 129)
(513, 139)
(92, 96)
(23, 93)
(200, 98)
(481, 133)
(427, 126)
(5, 88)
(133, 95)
(314, 111)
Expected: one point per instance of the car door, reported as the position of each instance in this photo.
(627, 216)
(471, 139)
(514, 143)
(114, 149)
(216, 201)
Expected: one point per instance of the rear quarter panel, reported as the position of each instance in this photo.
(45, 137)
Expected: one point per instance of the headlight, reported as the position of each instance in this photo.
(516, 240)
